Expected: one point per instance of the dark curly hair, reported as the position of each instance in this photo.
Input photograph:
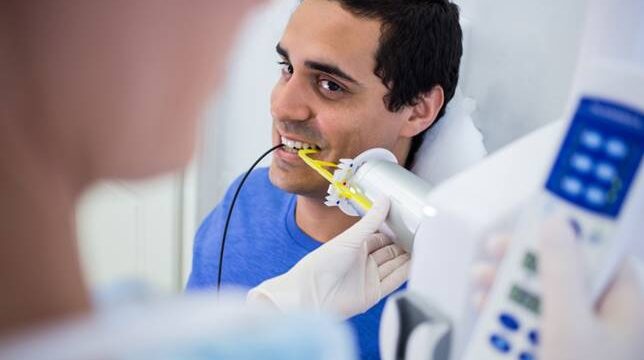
(420, 47)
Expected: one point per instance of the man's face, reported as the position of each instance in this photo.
(328, 95)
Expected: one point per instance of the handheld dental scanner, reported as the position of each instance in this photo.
(357, 182)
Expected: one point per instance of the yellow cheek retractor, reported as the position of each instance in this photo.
(340, 190)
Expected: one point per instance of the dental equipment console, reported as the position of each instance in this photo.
(597, 185)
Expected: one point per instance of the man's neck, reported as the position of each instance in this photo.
(319, 221)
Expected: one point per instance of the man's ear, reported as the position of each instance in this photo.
(424, 112)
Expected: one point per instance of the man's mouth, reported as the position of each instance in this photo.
(294, 146)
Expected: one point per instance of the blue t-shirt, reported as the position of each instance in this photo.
(263, 241)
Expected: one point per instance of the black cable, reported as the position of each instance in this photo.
(230, 212)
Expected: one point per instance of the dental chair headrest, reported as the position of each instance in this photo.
(451, 145)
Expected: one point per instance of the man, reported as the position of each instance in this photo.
(355, 75)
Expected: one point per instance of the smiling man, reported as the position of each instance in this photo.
(355, 74)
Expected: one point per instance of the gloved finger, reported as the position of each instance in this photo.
(497, 245)
(622, 305)
(561, 272)
(396, 278)
(482, 275)
(478, 299)
(369, 224)
(387, 253)
(390, 266)
(377, 241)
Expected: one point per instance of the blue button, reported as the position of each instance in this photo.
(572, 186)
(591, 139)
(533, 336)
(526, 356)
(596, 196)
(509, 321)
(581, 163)
(605, 172)
(500, 343)
(616, 148)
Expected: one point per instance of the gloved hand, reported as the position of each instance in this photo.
(347, 275)
(572, 327)
(483, 270)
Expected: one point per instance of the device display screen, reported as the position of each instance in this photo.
(526, 299)
(530, 262)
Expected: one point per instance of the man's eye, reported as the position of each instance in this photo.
(331, 86)
(287, 68)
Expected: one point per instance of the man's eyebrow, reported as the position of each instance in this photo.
(319, 66)
(330, 69)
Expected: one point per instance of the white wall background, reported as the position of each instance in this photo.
(520, 63)
(133, 231)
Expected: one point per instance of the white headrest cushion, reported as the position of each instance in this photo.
(452, 144)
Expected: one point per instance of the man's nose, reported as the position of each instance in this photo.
(290, 100)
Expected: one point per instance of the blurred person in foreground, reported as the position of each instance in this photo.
(103, 90)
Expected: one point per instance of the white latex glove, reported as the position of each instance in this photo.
(347, 275)
(483, 270)
(572, 327)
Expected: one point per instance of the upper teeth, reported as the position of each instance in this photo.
(297, 144)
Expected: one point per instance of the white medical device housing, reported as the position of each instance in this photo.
(597, 185)
(407, 193)
(373, 174)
